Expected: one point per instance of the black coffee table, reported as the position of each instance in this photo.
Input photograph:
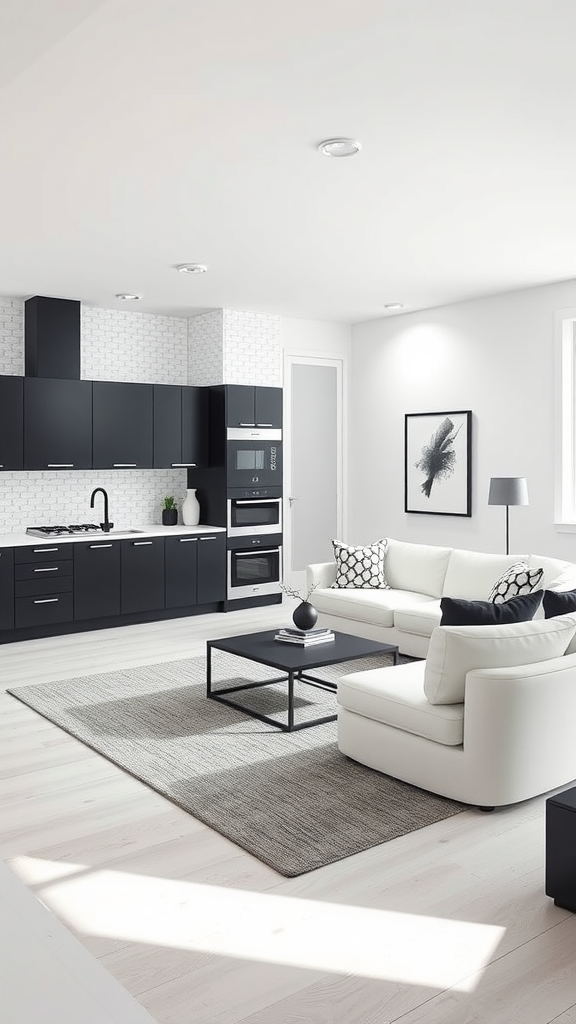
(294, 662)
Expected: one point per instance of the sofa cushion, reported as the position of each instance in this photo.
(455, 650)
(486, 613)
(359, 567)
(420, 568)
(559, 602)
(471, 574)
(374, 606)
(420, 619)
(558, 574)
(518, 579)
(395, 696)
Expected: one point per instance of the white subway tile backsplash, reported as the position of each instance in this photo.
(140, 347)
(206, 348)
(12, 336)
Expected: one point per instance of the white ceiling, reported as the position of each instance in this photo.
(137, 134)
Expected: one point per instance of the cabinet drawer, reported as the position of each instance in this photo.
(43, 611)
(47, 552)
(40, 587)
(50, 569)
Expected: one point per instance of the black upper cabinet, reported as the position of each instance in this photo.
(11, 423)
(249, 406)
(122, 420)
(57, 423)
(180, 426)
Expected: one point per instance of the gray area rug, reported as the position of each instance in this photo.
(290, 799)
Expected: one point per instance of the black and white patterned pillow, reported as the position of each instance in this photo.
(518, 579)
(360, 567)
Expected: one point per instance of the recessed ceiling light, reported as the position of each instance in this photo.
(394, 305)
(339, 147)
(128, 295)
(191, 268)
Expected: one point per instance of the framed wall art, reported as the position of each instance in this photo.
(437, 463)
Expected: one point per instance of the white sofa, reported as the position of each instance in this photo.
(418, 576)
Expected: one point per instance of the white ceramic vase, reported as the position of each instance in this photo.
(190, 508)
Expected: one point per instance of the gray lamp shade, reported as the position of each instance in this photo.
(508, 490)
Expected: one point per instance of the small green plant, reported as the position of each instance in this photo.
(168, 502)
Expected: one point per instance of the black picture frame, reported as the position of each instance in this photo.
(438, 463)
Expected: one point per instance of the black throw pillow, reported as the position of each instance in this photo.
(559, 602)
(485, 613)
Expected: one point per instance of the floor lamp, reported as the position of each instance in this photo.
(508, 490)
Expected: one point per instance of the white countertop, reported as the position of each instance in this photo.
(14, 540)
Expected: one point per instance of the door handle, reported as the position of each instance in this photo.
(292, 500)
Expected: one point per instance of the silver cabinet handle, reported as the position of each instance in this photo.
(141, 543)
(183, 465)
(247, 424)
(257, 551)
(124, 465)
(207, 538)
(256, 501)
(47, 600)
(38, 551)
(188, 540)
(264, 424)
(53, 568)
(95, 547)
(60, 465)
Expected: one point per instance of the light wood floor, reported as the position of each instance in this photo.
(449, 925)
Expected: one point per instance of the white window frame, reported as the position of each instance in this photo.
(565, 433)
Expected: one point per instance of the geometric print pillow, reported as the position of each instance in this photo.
(518, 579)
(361, 567)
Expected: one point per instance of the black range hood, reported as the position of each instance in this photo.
(52, 338)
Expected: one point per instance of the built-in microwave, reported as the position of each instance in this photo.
(253, 457)
(254, 511)
(254, 567)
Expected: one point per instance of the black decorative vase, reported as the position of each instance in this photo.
(305, 616)
(169, 516)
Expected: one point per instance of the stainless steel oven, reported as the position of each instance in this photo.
(254, 512)
(253, 457)
(254, 567)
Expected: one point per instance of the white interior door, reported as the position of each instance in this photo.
(314, 473)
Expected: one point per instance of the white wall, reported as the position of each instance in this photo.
(494, 356)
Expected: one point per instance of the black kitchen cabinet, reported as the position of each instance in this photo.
(57, 423)
(211, 568)
(43, 585)
(180, 426)
(96, 579)
(11, 423)
(253, 406)
(6, 588)
(142, 575)
(181, 570)
(122, 425)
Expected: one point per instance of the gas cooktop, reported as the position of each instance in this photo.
(63, 531)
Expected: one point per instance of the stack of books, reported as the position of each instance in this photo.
(304, 637)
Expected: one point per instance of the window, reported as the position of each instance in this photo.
(566, 419)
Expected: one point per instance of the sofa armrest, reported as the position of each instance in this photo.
(519, 724)
(321, 574)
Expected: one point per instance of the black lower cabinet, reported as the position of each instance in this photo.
(6, 588)
(211, 568)
(43, 585)
(96, 579)
(181, 568)
(142, 575)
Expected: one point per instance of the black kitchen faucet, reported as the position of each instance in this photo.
(106, 526)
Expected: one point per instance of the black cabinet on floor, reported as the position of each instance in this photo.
(57, 423)
(142, 575)
(43, 585)
(253, 406)
(181, 570)
(211, 568)
(180, 426)
(6, 588)
(96, 579)
(122, 423)
(11, 422)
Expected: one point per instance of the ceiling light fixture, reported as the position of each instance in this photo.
(339, 147)
(128, 295)
(191, 268)
(394, 305)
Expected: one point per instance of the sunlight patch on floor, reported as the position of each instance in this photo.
(386, 945)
